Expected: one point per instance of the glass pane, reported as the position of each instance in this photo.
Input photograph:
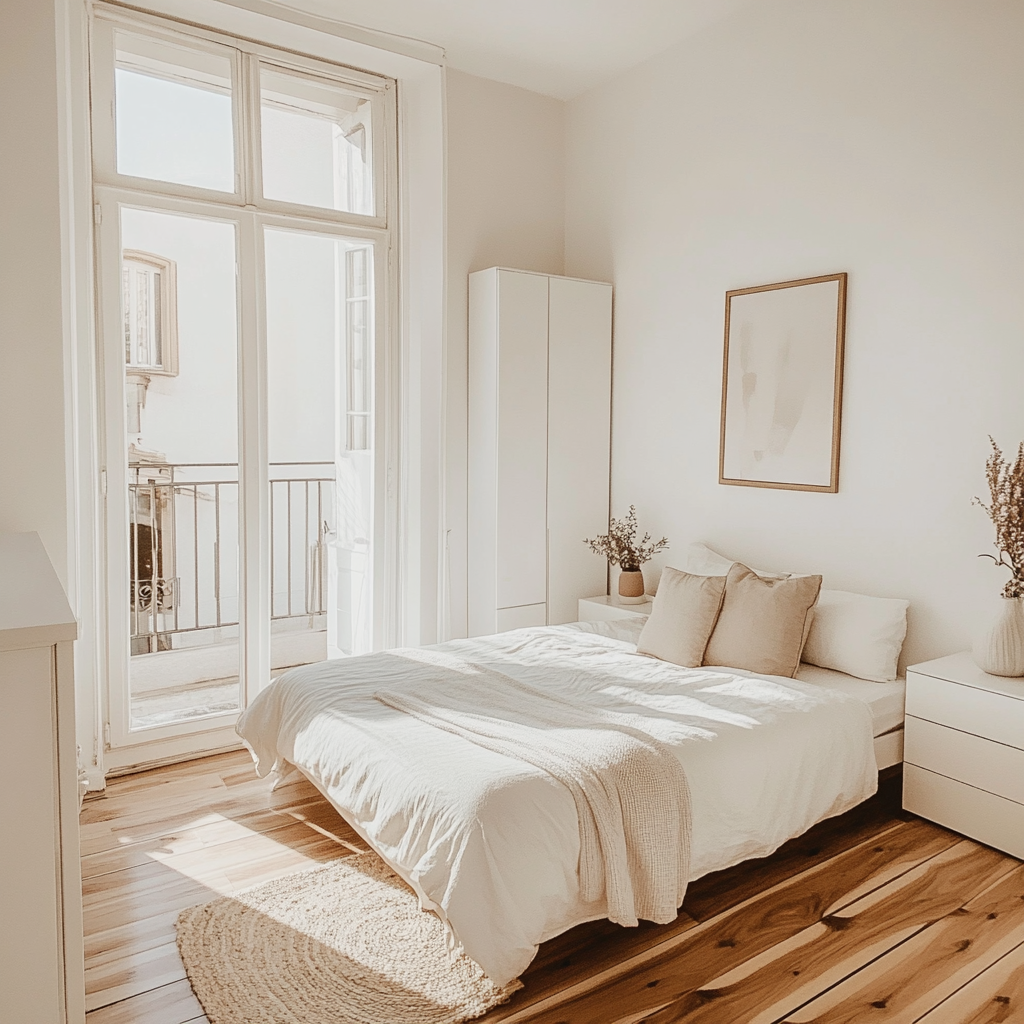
(316, 143)
(182, 468)
(173, 113)
(321, 485)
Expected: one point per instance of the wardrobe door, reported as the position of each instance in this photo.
(521, 492)
(579, 440)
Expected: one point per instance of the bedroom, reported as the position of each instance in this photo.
(780, 141)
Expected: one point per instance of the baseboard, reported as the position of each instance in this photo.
(96, 780)
(162, 762)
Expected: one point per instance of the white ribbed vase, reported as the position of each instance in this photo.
(1000, 649)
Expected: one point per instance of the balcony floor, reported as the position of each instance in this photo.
(189, 683)
(182, 703)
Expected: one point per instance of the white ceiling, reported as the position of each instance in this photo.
(557, 47)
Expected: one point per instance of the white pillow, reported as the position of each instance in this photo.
(859, 635)
(700, 560)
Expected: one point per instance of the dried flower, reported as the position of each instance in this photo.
(1006, 485)
(619, 545)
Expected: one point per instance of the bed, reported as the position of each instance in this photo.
(491, 843)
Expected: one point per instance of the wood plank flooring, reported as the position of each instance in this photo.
(874, 916)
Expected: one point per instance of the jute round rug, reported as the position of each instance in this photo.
(342, 944)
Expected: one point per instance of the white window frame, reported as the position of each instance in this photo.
(244, 57)
(250, 213)
(165, 320)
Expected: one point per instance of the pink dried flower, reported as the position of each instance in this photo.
(1006, 485)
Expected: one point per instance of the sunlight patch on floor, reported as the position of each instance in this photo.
(215, 866)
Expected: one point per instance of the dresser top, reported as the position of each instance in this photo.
(961, 668)
(34, 611)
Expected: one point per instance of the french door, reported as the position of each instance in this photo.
(245, 307)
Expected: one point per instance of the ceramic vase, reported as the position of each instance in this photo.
(631, 587)
(999, 649)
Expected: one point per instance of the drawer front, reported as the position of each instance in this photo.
(967, 708)
(994, 767)
(990, 819)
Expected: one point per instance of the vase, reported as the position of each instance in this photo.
(631, 587)
(999, 650)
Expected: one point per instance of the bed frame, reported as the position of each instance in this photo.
(889, 748)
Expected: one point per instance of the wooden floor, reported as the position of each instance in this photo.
(875, 916)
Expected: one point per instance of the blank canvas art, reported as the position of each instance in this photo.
(782, 385)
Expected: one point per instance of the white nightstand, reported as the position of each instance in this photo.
(964, 752)
(601, 609)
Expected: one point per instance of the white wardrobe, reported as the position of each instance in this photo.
(540, 361)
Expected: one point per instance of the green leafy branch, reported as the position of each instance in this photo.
(620, 546)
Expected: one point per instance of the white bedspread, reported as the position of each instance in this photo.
(491, 842)
(632, 800)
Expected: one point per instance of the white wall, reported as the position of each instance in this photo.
(33, 493)
(801, 138)
(506, 188)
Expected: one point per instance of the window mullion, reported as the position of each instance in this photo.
(382, 155)
(254, 468)
(249, 116)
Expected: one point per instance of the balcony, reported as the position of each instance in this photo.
(184, 582)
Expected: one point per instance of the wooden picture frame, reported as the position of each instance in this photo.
(782, 385)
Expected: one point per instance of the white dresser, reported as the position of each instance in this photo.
(539, 445)
(964, 751)
(41, 947)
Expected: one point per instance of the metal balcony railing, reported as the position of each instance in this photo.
(184, 548)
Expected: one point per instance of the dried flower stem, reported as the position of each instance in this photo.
(1006, 486)
(620, 546)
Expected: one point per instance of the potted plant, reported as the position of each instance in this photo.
(620, 546)
(1000, 649)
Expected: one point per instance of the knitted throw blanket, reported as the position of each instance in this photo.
(631, 793)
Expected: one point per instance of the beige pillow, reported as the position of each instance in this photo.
(763, 622)
(684, 614)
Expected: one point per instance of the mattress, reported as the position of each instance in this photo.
(884, 700)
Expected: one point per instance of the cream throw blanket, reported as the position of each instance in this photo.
(630, 790)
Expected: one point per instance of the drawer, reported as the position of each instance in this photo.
(990, 819)
(524, 615)
(967, 708)
(994, 767)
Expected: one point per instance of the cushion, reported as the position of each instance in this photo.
(685, 610)
(762, 624)
(856, 634)
(701, 560)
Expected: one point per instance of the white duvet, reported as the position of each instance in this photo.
(492, 843)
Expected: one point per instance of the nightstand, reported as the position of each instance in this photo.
(601, 609)
(964, 751)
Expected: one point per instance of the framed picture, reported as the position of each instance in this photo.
(782, 385)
